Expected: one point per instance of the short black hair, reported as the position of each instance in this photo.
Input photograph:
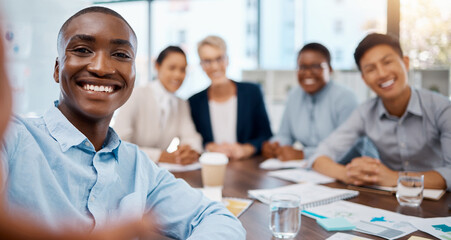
(171, 49)
(317, 47)
(374, 39)
(94, 9)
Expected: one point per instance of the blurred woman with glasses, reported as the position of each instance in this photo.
(231, 116)
(154, 116)
(313, 109)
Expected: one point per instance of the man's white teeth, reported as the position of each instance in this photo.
(94, 88)
(309, 81)
(387, 83)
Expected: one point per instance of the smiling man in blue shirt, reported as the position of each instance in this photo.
(69, 167)
(411, 128)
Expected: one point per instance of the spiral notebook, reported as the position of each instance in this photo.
(312, 195)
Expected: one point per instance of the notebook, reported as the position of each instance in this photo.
(311, 194)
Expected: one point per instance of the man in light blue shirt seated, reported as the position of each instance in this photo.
(411, 128)
(69, 168)
(313, 110)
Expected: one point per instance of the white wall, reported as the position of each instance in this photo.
(31, 29)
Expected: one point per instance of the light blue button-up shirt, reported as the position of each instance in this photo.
(419, 140)
(55, 174)
(311, 118)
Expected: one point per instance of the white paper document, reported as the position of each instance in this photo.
(172, 167)
(212, 193)
(433, 194)
(374, 221)
(346, 236)
(274, 163)
(310, 194)
(437, 227)
(301, 175)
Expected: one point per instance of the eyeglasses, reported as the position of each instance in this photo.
(208, 62)
(315, 68)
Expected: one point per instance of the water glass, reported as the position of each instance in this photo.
(285, 219)
(410, 189)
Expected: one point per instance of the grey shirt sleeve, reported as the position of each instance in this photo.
(341, 140)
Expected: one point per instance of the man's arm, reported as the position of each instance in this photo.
(339, 141)
(444, 126)
(184, 213)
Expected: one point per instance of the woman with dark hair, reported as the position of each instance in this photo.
(153, 115)
(314, 109)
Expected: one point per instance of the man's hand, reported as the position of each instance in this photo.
(269, 149)
(369, 171)
(286, 153)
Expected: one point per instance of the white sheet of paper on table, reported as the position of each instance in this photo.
(437, 227)
(301, 175)
(367, 219)
(172, 167)
(346, 236)
(212, 193)
(274, 163)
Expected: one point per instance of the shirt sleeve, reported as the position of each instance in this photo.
(284, 136)
(344, 107)
(185, 213)
(444, 125)
(188, 133)
(341, 140)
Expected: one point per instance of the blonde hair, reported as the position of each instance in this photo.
(213, 41)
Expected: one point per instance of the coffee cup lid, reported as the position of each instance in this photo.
(213, 158)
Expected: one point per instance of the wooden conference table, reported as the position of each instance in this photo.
(245, 175)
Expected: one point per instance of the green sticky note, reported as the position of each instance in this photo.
(335, 224)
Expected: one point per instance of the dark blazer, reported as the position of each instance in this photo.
(252, 123)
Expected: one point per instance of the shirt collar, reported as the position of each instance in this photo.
(163, 96)
(322, 92)
(67, 135)
(413, 106)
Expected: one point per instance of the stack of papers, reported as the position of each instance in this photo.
(301, 175)
(274, 163)
(433, 194)
(237, 205)
(368, 220)
(311, 194)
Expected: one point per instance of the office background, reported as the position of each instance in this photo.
(263, 38)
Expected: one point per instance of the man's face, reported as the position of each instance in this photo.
(96, 66)
(214, 62)
(313, 71)
(385, 72)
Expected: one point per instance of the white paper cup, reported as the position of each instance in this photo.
(213, 168)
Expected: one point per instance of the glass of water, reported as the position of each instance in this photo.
(285, 219)
(410, 189)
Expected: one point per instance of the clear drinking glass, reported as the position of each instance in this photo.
(285, 219)
(410, 189)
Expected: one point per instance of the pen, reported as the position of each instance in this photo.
(313, 214)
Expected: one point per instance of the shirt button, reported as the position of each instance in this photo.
(86, 143)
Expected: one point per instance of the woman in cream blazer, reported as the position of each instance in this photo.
(154, 116)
